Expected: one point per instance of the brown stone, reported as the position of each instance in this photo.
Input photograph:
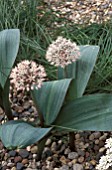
(17, 159)
(25, 161)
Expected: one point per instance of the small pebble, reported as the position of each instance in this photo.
(34, 156)
(102, 149)
(97, 142)
(77, 136)
(48, 142)
(13, 168)
(81, 159)
(10, 164)
(103, 137)
(17, 159)
(91, 137)
(19, 166)
(93, 162)
(23, 153)
(74, 161)
(12, 153)
(34, 149)
(64, 167)
(67, 151)
(72, 155)
(63, 159)
(25, 161)
(97, 135)
(77, 167)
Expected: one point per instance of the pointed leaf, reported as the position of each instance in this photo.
(81, 70)
(50, 97)
(9, 44)
(19, 134)
(92, 113)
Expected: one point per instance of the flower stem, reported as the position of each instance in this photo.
(5, 101)
(41, 145)
(72, 141)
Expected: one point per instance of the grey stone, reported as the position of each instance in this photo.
(73, 155)
(64, 167)
(23, 153)
(19, 166)
(12, 153)
(77, 167)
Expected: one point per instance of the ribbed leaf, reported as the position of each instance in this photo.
(9, 44)
(50, 97)
(18, 134)
(92, 112)
(80, 70)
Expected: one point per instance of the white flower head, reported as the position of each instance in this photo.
(62, 52)
(27, 74)
(108, 143)
(106, 161)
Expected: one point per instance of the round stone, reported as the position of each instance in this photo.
(34, 149)
(17, 159)
(25, 161)
(81, 159)
(91, 137)
(77, 167)
(73, 155)
(93, 162)
(77, 136)
(96, 141)
(97, 135)
(102, 149)
(34, 156)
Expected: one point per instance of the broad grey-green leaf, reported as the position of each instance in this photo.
(50, 97)
(9, 44)
(93, 112)
(81, 69)
(19, 134)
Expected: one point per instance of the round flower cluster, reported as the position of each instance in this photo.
(27, 74)
(62, 52)
(106, 160)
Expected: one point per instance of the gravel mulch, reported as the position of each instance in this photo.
(82, 11)
(56, 155)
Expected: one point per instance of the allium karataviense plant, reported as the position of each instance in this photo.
(61, 53)
(9, 44)
(62, 106)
